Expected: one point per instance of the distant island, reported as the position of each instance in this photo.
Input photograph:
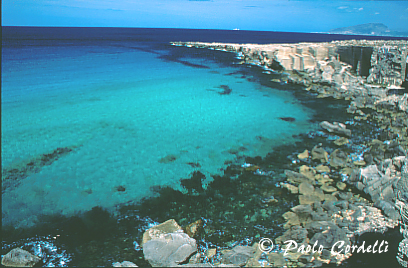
(377, 29)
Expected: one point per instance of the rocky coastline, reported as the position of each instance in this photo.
(329, 186)
(341, 192)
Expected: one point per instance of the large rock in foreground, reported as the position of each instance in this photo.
(19, 258)
(169, 250)
(166, 245)
(169, 226)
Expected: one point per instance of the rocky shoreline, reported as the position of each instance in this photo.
(342, 192)
(329, 186)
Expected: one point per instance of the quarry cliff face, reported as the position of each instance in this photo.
(377, 62)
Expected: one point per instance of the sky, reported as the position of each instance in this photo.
(262, 15)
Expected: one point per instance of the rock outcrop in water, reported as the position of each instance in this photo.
(166, 245)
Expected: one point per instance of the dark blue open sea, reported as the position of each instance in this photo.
(107, 131)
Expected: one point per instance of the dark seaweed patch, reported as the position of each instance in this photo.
(226, 90)
(194, 165)
(13, 175)
(288, 119)
(168, 158)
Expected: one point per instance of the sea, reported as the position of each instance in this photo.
(106, 132)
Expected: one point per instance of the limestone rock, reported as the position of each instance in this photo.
(336, 128)
(297, 233)
(341, 185)
(341, 141)
(239, 255)
(297, 178)
(124, 264)
(328, 188)
(306, 188)
(307, 171)
(322, 168)
(169, 226)
(338, 158)
(194, 228)
(303, 155)
(318, 153)
(308, 199)
(276, 259)
(323, 179)
(19, 258)
(359, 163)
(169, 250)
(329, 197)
(302, 209)
(254, 260)
(291, 219)
(211, 252)
(293, 189)
(330, 236)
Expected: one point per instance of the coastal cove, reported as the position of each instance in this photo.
(276, 170)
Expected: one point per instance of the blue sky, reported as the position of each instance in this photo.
(265, 15)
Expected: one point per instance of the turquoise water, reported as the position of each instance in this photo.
(134, 118)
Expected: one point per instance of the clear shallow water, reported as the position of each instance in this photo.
(138, 114)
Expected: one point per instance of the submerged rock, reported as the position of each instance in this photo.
(19, 258)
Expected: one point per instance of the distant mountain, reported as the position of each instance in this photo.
(377, 29)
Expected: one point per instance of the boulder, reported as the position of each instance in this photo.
(322, 169)
(293, 189)
(308, 199)
(328, 188)
(307, 171)
(341, 141)
(238, 256)
(319, 154)
(303, 155)
(291, 219)
(169, 249)
(336, 128)
(193, 229)
(338, 158)
(276, 259)
(297, 178)
(169, 226)
(124, 264)
(297, 233)
(306, 188)
(19, 258)
(330, 236)
(341, 185)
